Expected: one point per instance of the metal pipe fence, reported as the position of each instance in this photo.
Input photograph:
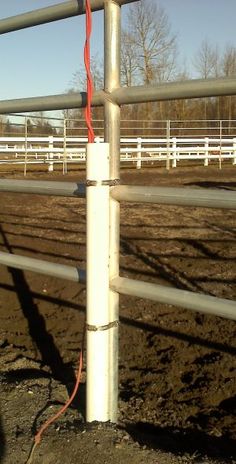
(103, 196)
(39, 266)
(195, 88)
(172, 296)
(39, 125)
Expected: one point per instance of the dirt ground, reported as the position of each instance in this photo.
(177, 369)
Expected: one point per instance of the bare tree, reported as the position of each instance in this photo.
(207, 61)
(149, 31)
(129, 60)
(206, 64)
(229, 61)
(149, 50)
(229, 70)
(2, 124)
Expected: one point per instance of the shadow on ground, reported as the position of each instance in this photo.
(180, 442)
(213, 184)
(2, 441)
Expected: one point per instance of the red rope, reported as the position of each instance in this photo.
(43, 427)
(88, 112)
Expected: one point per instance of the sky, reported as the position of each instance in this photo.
(42, 60)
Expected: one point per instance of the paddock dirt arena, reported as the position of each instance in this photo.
(177, 374)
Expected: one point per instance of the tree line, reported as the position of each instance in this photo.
(36, 125)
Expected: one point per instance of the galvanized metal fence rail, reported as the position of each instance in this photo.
(103, 281)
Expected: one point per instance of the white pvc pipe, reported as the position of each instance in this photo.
(98, 347)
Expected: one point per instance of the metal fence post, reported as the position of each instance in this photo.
(112, 32)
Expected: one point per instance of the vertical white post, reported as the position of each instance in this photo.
(168, 145)
(220, 148)
(206, 145)
(174, 152)
(26, 146)
(234, 151)
(139, 153)
(64, 149)
(98, 319)
(50, 145)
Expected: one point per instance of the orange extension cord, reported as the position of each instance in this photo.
(38, 436)
(88, 118)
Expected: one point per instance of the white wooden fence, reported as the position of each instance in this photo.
(136, 150)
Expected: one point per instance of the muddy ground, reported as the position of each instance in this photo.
(177, 399)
